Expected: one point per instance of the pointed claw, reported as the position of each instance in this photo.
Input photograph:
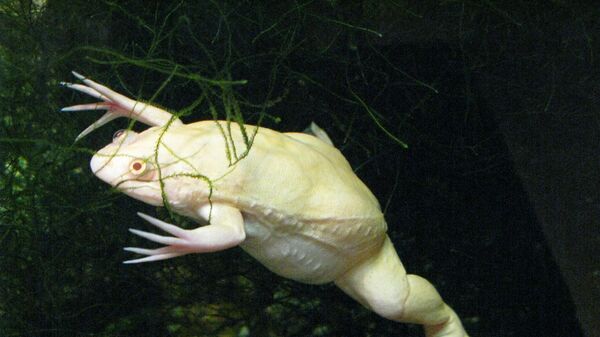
(86, 90)
(78, 75)
(167, 227)
(153, 258)
(165, 240)
(92, 106)
(142, 251)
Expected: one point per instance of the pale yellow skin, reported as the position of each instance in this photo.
(293, 203)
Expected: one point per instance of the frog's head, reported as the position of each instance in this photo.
(128, 164)
(172, 161)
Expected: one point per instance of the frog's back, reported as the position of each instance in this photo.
(299, 174)
(302, 179)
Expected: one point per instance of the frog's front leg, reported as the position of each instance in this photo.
(381, 284)
(116, 105)
(226, 230)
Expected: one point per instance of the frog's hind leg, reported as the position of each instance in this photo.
(381, 284)
(116, 105)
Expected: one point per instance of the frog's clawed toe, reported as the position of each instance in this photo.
(115, 104)
(175, 245)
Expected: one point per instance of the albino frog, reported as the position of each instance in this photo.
(292, 202)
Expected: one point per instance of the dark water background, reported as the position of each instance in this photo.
(446, 78)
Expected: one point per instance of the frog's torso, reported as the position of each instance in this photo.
(307, 216)
(292, 201)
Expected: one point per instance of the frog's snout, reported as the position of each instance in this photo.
(103, 167)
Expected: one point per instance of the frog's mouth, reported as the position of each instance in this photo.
(146, 191)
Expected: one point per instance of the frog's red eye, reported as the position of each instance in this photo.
(137, 167)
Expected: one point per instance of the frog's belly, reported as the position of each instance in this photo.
(293, 255)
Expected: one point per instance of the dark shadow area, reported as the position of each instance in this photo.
(495, 199)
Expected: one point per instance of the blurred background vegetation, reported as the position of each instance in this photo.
(374, 74)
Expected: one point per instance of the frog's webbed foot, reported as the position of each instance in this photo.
(116, 105)
(225, 232)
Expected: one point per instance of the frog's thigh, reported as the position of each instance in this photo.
(381, 284)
